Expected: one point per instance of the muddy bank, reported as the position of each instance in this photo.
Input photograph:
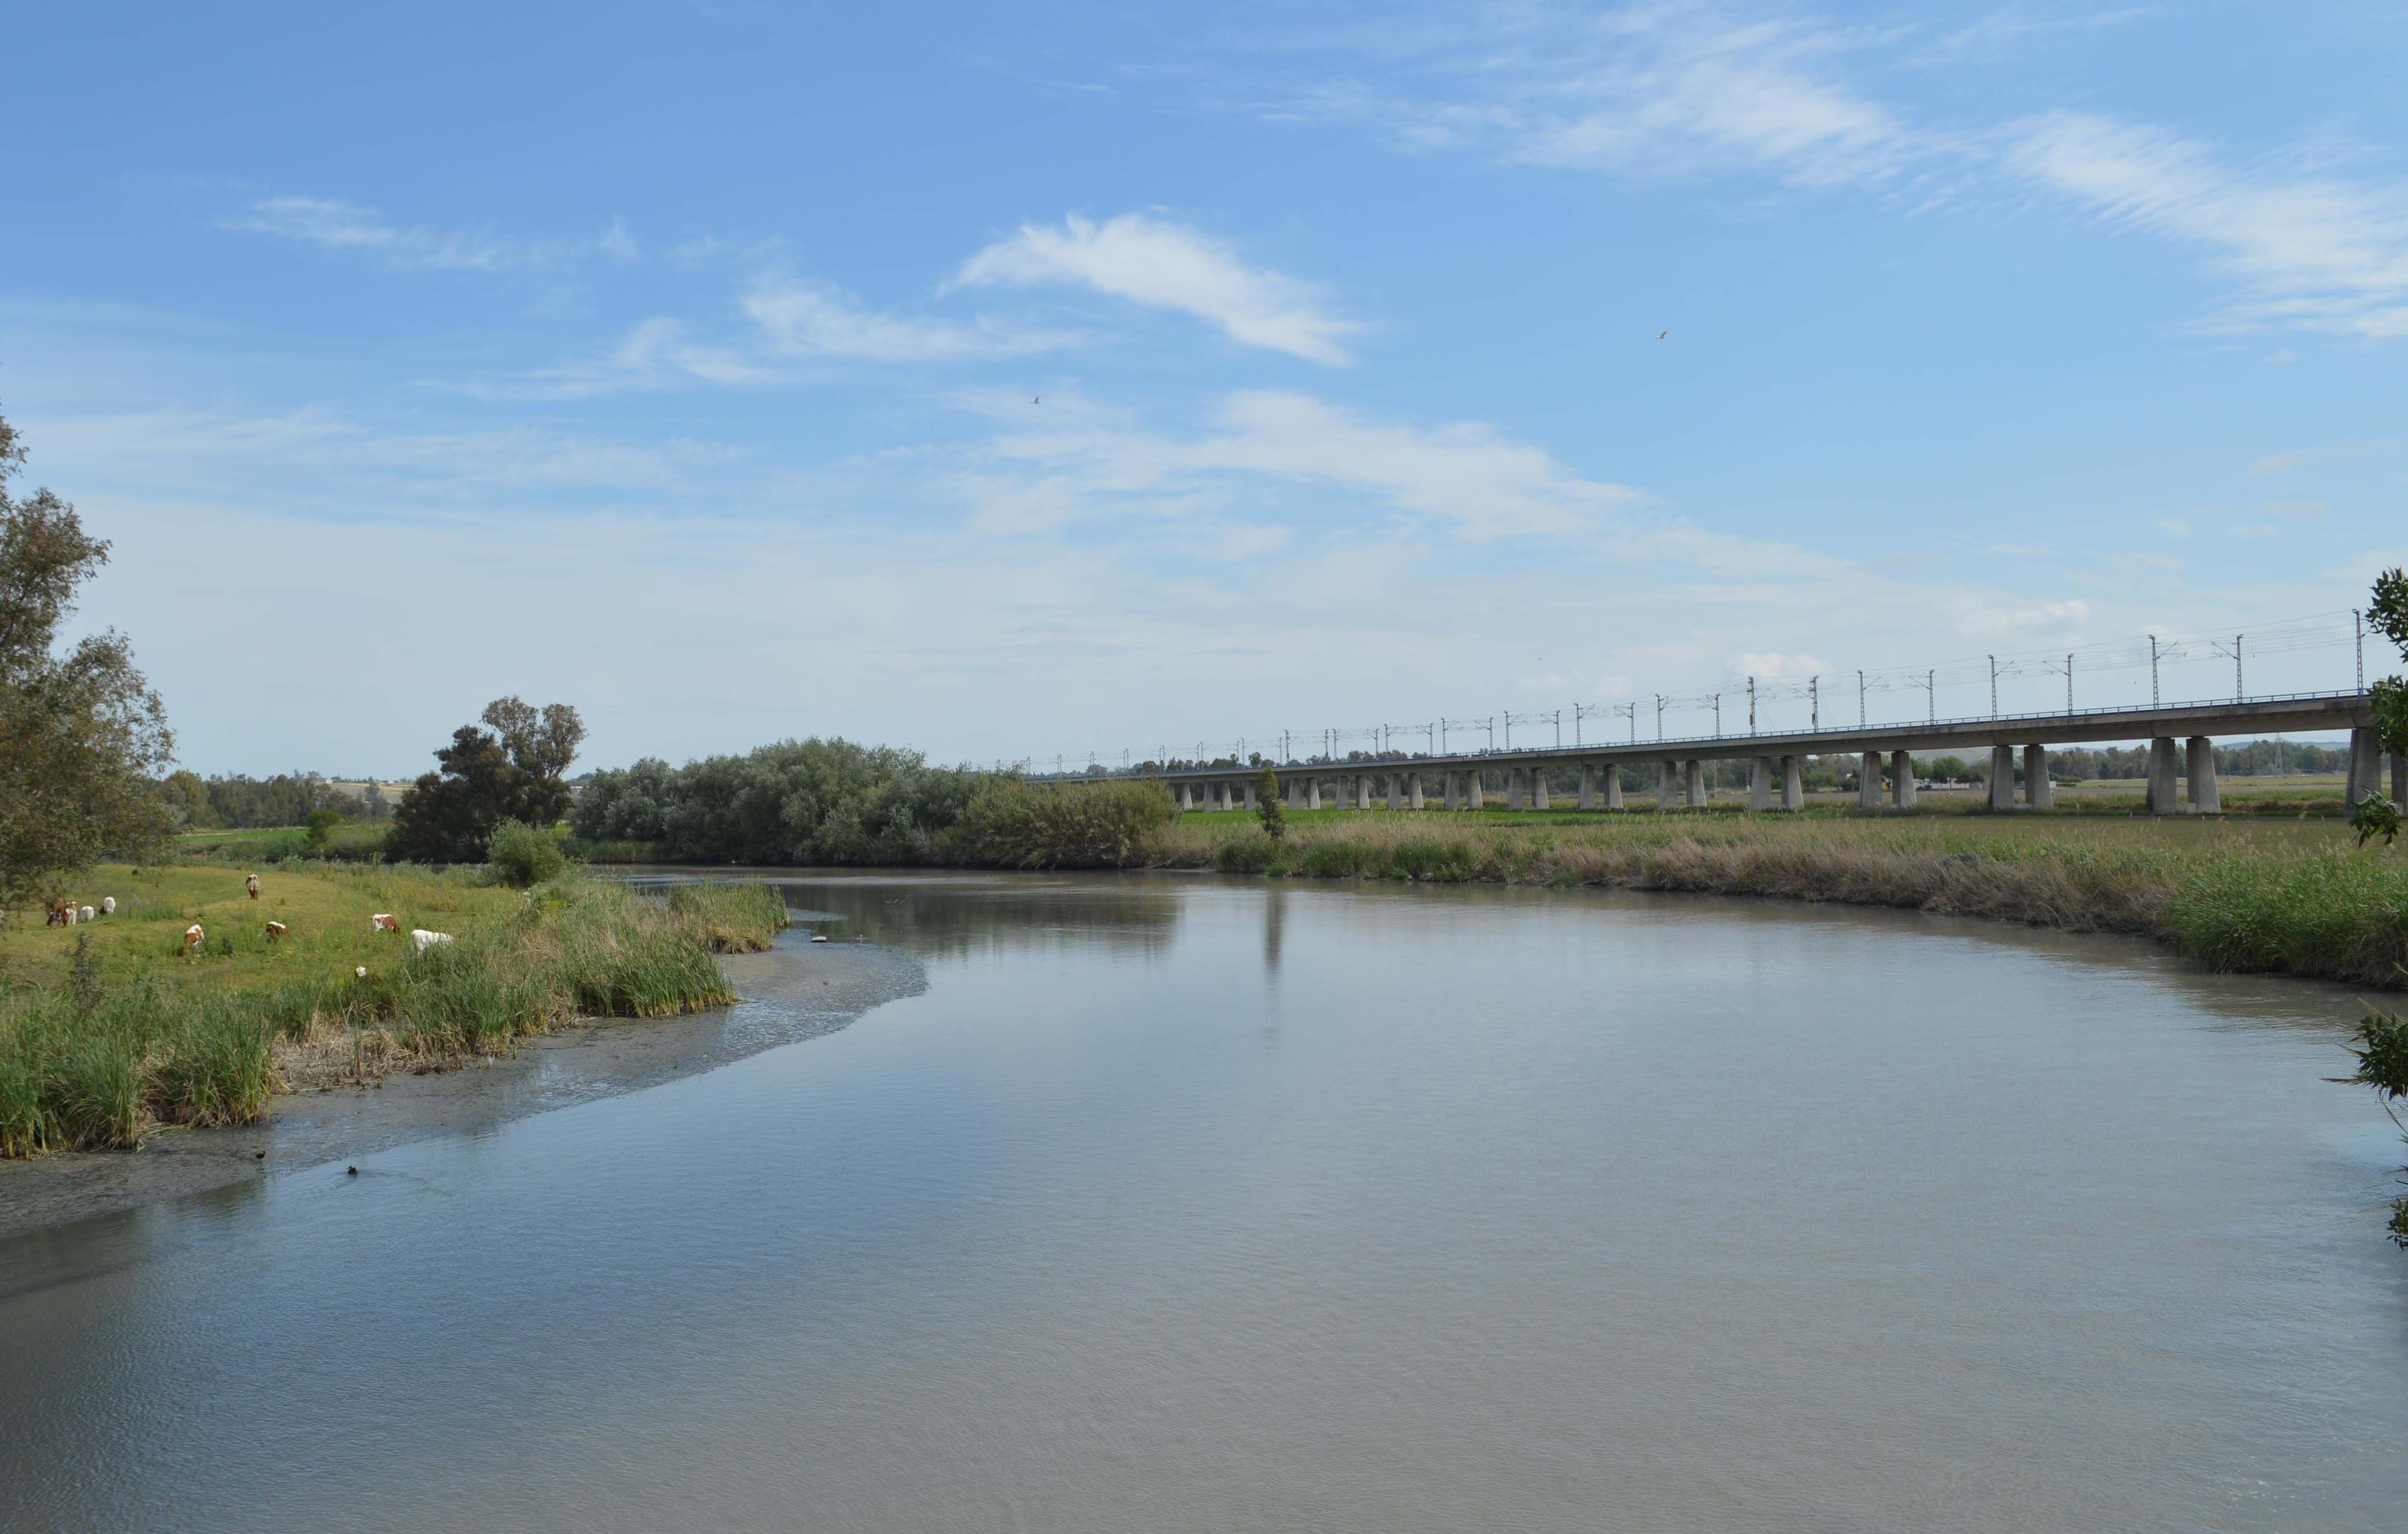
(793, 992)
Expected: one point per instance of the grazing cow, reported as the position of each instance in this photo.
(385, 921)
(251, 882)
(425, 940)
(191, 936)
(87, 914)
(59, 913)
(109, 905)
(73, 916)
(276, 930)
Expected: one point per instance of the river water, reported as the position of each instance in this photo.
(1178, 1203)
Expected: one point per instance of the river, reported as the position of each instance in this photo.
(1179, 1203)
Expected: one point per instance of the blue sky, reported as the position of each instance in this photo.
(1021, 381)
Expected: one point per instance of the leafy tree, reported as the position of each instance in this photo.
(321, 828)
(2374, 814)
(82, 736)
(511, 771)
(2383, 1065)
(524, 855)
(797, 801)
(1268, 807)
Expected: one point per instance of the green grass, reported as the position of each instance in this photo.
(2285, 897)
(175, 1039)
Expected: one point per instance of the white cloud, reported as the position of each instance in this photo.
(1988, 621)
(1466, 474)
(2174, 526)
(809, 320)
(332, 224)
(2314, 251)
(2303, 508)
(2018, 551)
(2280, 463)
(1773, 666)
(1167, 266)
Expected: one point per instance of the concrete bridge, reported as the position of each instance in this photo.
(2181, 778)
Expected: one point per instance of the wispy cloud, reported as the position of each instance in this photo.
(809, 320)
(2312, 249)
(1467, 475)
(333, 225)
(1167, 266)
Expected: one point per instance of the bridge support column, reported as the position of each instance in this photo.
(2204, 799)
(2003, 777)
(2161, 777)
(2038, 791)
(1692, 776)
(1413, 790)
(1252, 798)
(1588, 785)
(1472, 796)
(1666, 775)
(1183, 804)
(2364, 765)
(1612, 786)
(1312, 792)
(1396, 790)
(1538, 788)
(1793, 783)
(2398, 779)
(1446, 788)
(1869, 781)
(1759, 784)
(1363, 791)
(1901, 779)
(1513, 799)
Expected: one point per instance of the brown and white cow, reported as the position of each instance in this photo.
(251, 882)
(191, 936)
(385, 921)
(276, 930)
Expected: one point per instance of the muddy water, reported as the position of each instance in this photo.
(1184, 1204)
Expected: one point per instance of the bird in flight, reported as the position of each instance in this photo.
(1662, 334)
(1035, 401)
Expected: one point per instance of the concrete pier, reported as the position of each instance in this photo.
(1538, 788)
(1183, 802)
(1253, 799)
(2161, 777)
(2364, 767)
(2400, 779)
(1446, 784)
(2038, 791)
(1396, 790)
(1413, 790)
(1901, 779)
(1472, 796)
(2003, 777)
(2200, 755)
(1666, 773)
(1588, 785)
(1693, 777)
(1793, 783)
(1759, 784)
(1612, 786)
(1513, 788)
(1363, 791)
(1313, 792)
(1869, 781)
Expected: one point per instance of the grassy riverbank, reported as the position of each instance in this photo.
(2292, 898)
(110, 1029)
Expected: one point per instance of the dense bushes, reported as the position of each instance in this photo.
(797, 801)
(522, 855)
(1056, 825)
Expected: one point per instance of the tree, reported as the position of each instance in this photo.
(1268, 807)
(2374, 814)
(82, 736)
(511, 771)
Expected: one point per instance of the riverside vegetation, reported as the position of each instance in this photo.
(111, 1029)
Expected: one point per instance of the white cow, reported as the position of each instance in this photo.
(87, 914)
(109, 905)
(425, 940)
(74, 916)
(191, 936)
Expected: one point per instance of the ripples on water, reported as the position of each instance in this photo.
(1184, 1204)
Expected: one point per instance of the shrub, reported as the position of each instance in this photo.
(523, 856)
(1063, 825)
